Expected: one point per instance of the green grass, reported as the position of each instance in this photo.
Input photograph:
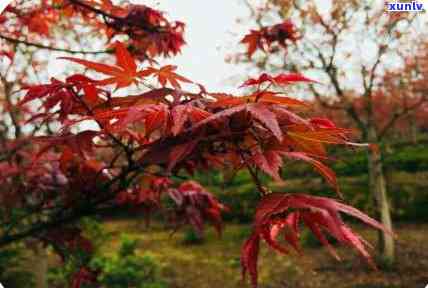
(215, 262)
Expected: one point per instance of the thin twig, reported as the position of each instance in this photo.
(41, 46)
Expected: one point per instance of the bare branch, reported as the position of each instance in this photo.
(41, 46)
(398, 114)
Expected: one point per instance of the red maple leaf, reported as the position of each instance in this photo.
(123, 74)
(253, 40)
(324, 170)
(269, 162)
(165, 75)
(274, 215)
(264, 38)
(262, 113)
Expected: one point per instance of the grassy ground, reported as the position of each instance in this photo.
(215, 263)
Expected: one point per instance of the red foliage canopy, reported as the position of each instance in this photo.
(143, 144)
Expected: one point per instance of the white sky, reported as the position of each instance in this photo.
(211, 33)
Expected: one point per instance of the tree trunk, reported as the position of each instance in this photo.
(378, 190)
(40, 264)
(413, 128)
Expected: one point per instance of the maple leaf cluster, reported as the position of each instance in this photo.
(68, 242)
(147, 138)
(150, 34)
(279, 213)
(143, 149)
(195, 204)
(265, 37)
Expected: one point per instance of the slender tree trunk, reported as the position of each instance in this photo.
(413, 128)
(378, 190)
(41, 266)
(38, 263)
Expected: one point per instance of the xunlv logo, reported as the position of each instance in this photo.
(408, 6)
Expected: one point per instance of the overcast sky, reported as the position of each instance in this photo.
(211, 34)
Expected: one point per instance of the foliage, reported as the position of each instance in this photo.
(12, 273)
(387, 97)
(396, 157)
(192, 238)
(264, 38)
(150, 33)
(127, 269)
(384, 96)
(405, 172)
(76, 257)
(143, 143)
(412, 158)
(319, 214)
(94, 230)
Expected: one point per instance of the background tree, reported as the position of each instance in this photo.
(360, 53)
(110, 152)
(33, 33)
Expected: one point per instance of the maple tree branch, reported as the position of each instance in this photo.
(331, 72)
(46, 226)
(329, 68)
(369, 84)
(253, 174)
(93, 9)
(13, 113)
(397, 115)
(258, 16)
(41, 46)
(128, 152)
(88, 209)
(320, 99)
(106, 15)
(256, 179)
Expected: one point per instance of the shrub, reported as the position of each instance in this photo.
(127, 269)
(124, 269)
(11, 272)
(192, 238)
